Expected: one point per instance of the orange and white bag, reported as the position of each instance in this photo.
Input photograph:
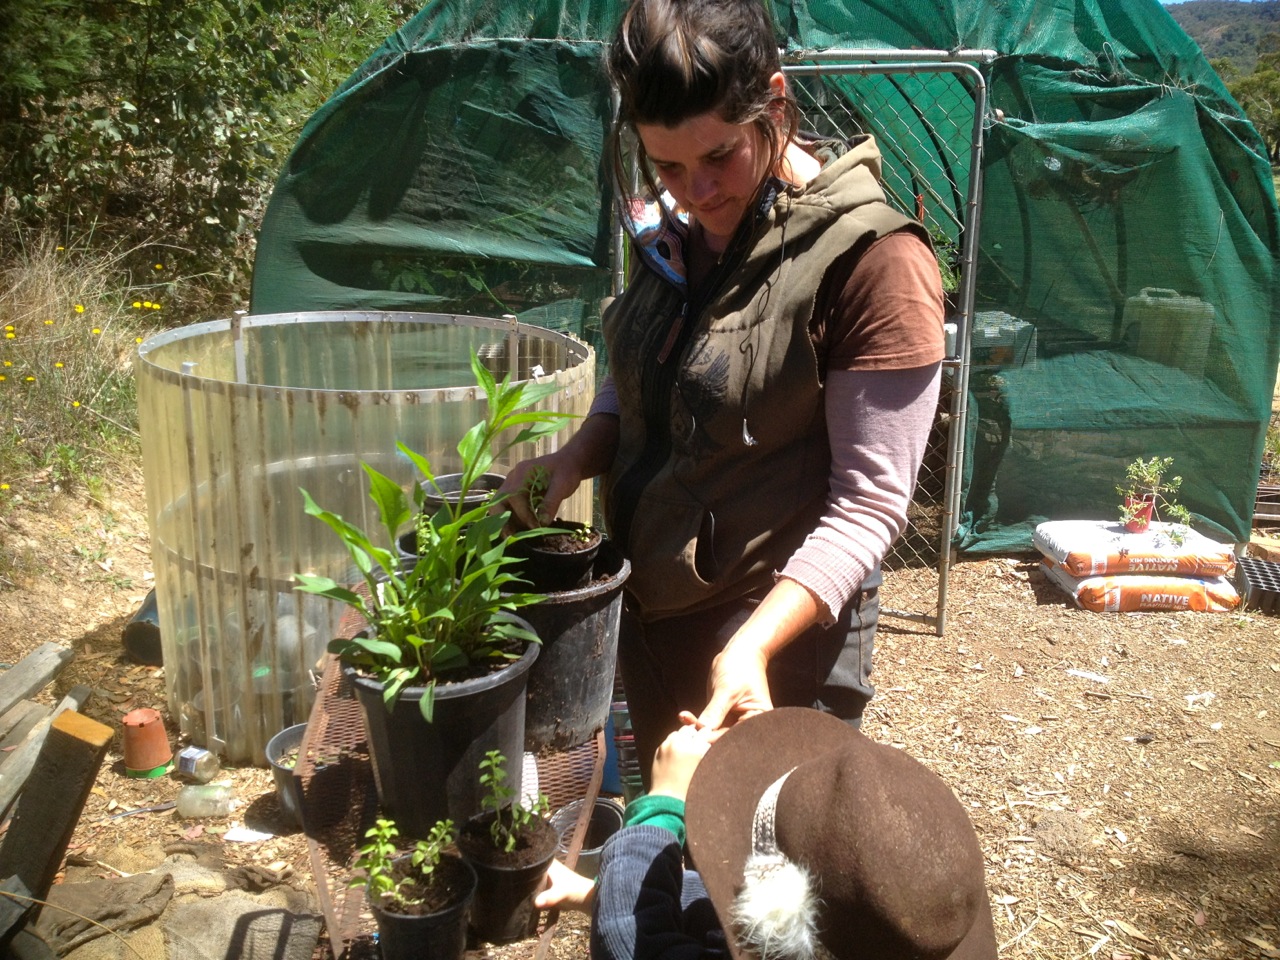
(1134, 592)
(1094, 547)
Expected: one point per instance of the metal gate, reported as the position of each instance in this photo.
(930, 134)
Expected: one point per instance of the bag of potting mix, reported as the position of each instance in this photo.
(1133, 592)
(1086, 548)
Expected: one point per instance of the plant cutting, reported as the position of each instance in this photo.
(441, 626)
(1146, 491)
(509, 844)
(420, 899)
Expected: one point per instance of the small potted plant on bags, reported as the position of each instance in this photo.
(422, 899)
(1146, 492)
(441, 670)
(509, 845)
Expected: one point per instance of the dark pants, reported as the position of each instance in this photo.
(665, 665)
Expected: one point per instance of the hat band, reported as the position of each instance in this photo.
(776, 911)
(763, 839)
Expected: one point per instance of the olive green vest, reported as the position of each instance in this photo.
(723, 461)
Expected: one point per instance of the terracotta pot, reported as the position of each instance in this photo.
(1141, 516)
(146, 744)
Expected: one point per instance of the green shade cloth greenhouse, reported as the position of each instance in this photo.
(1128, 221)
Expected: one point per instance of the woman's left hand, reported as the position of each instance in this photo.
(739, 683)
(739, 686)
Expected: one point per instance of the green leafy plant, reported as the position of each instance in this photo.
(1146, 482)
(377, 859)
(452, 607)
(510, 815)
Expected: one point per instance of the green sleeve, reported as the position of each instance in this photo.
(657, 811)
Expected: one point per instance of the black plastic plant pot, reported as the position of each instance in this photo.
(437, 935)
(282, 757)
(506, 883)
(558, 561)
(571, 685)
(429, 771)
(446, 487)
(316, 801)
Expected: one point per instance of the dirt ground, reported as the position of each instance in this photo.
(1123, 771)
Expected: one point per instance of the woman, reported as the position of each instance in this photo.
(774, 368)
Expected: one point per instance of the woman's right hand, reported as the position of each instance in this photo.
(561, 477)
(588, 453)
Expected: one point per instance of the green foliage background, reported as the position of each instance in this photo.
(149, 123)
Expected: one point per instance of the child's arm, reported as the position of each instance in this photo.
(643, 906)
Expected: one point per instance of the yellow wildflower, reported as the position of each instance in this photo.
(8, 326)
(75, 403)
(137, 339)
(30, 379)
(3, 378)
(155, 306)
(159, 266)
(58, 365)
(48, 323)
(79, 308)
(8, 363)
(147, 304)
(137, 304)
(5, 486)
(9, 336)
(96, 331)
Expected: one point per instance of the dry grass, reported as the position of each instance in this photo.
(69, 338)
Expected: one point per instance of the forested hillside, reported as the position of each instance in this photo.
(1228, 28)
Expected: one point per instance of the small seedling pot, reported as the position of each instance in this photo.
(507, 882)
(432, 934)
(558, 561)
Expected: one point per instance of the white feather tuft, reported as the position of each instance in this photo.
(776, 913)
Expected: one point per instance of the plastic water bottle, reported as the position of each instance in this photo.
(198, 800)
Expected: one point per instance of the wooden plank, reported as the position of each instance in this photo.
(16, 722)
(51, 802)
(15, 770)
(32, 673)
(15, 907)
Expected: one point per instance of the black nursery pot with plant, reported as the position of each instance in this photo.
(421, 900)
(435, 929)
(506, 881)
(426, 771)
(559, 560)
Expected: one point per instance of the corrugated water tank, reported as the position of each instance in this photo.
(236, 416)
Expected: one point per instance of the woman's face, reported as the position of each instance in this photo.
(711, 167)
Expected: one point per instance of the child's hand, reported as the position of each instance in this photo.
(678, 757)
(565, 890)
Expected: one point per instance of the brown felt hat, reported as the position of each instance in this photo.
(893, 858)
